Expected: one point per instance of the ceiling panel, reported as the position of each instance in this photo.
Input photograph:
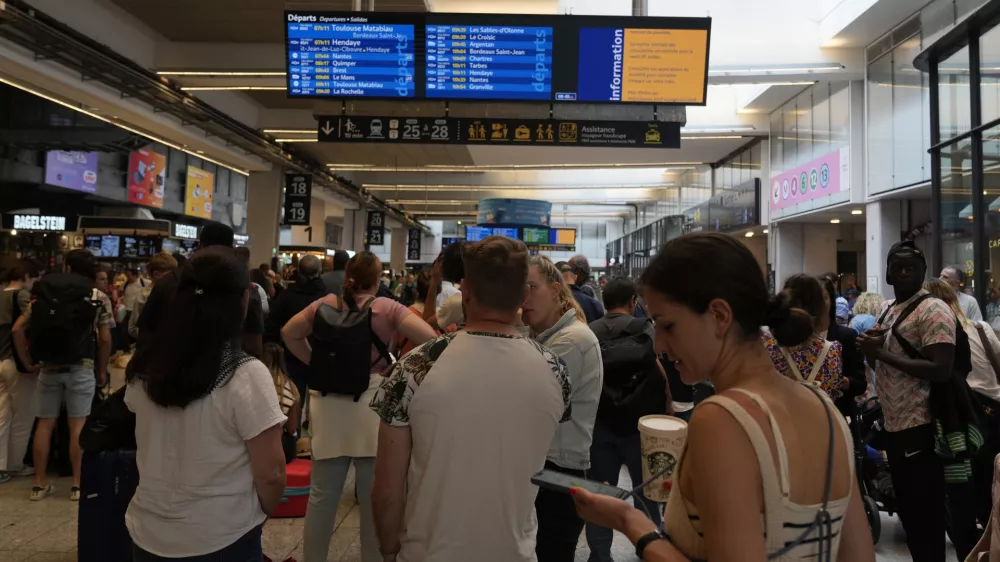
(237, 21)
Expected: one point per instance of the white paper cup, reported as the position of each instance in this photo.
(662, 439)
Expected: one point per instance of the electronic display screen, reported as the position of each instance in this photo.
(110, 245)
(93, 245)
(508, 232)
(497, 57)
(130, 247)
(350, 56)
(489, 62)
(477, 233)
(562, 236)
(535, 236)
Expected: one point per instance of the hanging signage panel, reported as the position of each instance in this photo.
(198, 195)
(413, 243)
(298, 199)
(376, 228)
(508, 132)
(823, 176)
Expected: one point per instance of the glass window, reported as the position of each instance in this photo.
(789, 135)
(821, 118)
(957, 243)
(953, 93)
(907, 116)
(840, 115)
(935, 19)
(755, 159)
(989, 56)
(777, 146)
(991, 195)
(804, 127)
(880, 125)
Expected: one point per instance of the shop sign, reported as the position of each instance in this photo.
(376, 228)
(498, 132)
(186, 231)
(823, 176)
(49, 223)
(413, 243)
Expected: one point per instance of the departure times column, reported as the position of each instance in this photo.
(489, 62)
(348, 59)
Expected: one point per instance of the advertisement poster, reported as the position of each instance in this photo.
(72, 169)
(823, 176)
(198, 195)
(147, 175)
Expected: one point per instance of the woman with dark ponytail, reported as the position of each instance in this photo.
(345, 430)
(811, 358)
(767, 471)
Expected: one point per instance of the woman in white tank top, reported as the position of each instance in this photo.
(767, 472)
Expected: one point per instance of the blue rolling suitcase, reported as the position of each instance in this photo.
(108, 480)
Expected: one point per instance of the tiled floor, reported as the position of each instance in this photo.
(45, 531)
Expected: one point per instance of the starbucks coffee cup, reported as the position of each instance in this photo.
(662, 439)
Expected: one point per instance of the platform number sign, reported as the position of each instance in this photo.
(298, 198)
(413, 245)
(376, 228)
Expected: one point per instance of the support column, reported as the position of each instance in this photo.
(883, 225)
(354, 230)
(789, 248)
(264, 213)
(397, 251)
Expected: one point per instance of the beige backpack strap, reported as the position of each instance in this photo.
(818, 366)
(792, 366)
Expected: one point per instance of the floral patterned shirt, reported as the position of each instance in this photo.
(830, 376)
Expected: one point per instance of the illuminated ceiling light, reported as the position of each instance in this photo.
(149, 136)
(716, 137)
(834, 221)
(431, 202)
(228, 88)
(498, 169)
(764, 231)
(806, 83)
(13, 232)
(857, 212)
(749, 234)
(289, 131)
(296, 140)
(219, 73)
(455, 187)
(775, 69)
(718, 130)
(459, 222)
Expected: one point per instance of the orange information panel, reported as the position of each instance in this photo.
(198, 196)
(664, 65)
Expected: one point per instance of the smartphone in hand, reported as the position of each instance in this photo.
(559, 482)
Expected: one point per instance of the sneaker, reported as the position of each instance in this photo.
(5, 477)
(26, 471)
(40, 493)
(74, 494)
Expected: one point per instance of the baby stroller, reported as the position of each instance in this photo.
(874, 480)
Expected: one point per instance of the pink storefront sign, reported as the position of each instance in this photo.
(821, 177)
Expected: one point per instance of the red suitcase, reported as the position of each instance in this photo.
(296, 497)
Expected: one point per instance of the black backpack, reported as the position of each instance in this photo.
(633, 386)
(961, 365)
(342, 341)
(61, 327)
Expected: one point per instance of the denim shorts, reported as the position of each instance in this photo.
(75, 385)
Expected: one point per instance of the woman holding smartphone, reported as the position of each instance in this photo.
(768, 468)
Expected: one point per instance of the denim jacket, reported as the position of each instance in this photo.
(576, 344)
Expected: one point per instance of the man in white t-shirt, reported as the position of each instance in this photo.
(467, 419)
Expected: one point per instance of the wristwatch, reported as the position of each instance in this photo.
(645, 540)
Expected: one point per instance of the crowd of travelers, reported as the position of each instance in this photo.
(446, 390)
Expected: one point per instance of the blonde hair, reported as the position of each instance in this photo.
(274, 359)
(565, 297)
(943, 291)
(868, 303)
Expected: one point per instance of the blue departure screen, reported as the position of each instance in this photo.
(508, 232)
(348, 59)
(477, 233)
(489, 62)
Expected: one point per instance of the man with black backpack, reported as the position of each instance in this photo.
(65, 336)
(913, 349)
(634, 386)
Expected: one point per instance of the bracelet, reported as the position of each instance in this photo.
(645, 540)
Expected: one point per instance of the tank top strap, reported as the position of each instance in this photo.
(779, 441)
(773, 499)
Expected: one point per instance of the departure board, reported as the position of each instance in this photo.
(497, 57)
(358, 56)
(489, 62)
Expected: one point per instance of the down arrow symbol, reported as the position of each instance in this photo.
(326, 128)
